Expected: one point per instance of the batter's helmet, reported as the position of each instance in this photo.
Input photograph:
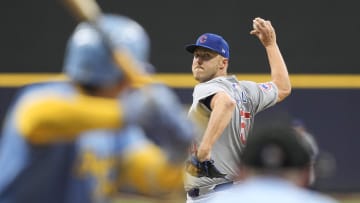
(89, 62)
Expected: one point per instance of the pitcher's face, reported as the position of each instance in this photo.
(207, 64)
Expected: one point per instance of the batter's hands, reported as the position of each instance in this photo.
(264, 31)
(203, 169)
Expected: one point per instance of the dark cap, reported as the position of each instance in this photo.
(275, 147)
(213, 42)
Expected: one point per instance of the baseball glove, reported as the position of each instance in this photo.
(203, 169)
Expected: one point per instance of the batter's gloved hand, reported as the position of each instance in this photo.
(203, 169)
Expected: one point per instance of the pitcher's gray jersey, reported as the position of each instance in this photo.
(250, 98)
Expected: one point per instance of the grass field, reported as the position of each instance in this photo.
(351, 201)
(356, 200)
(348, 198)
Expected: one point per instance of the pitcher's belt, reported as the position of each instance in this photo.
(195, 192)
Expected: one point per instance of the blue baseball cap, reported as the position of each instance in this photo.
(213, 42)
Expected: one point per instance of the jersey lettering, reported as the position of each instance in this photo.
(244, 117)
(93, 167)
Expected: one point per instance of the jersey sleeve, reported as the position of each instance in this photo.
(263, 95)
(204, 90)
(53, 117)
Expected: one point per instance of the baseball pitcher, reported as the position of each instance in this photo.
(224, 109)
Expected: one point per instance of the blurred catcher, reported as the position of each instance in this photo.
(76, 140)
(276, 167)
(311, 146)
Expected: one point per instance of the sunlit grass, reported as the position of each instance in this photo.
(136, 199)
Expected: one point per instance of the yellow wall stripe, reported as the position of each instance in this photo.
(19, 79)
(182, 80)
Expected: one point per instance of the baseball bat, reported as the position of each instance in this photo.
(90, 11)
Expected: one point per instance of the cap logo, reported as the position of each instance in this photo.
(203, 39)
(212, 42)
